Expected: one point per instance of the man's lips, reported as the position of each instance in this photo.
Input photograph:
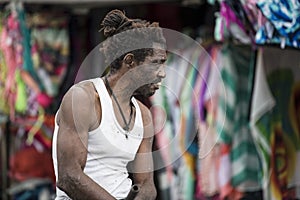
(156, 85)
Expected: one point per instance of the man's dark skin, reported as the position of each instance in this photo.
(80, 112)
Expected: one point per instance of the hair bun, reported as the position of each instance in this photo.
(113, 21)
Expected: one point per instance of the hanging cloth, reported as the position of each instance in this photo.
(284, 15)
(241, 170)
(11, 46)
(27, 64)
(3, 73)
(277, 129)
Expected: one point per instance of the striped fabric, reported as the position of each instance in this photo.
(240, 161)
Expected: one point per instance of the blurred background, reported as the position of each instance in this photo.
(227, 117)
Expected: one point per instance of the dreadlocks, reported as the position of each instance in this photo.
(137, 36)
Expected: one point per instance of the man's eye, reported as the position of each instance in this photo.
(158, 62)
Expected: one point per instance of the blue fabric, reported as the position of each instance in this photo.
(284, 15)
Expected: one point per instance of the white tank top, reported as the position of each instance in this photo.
(109, 151)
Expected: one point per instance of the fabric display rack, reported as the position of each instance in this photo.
(240, 94)
(34, 58)
(226, 119)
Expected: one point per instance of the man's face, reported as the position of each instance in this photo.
(153, 72)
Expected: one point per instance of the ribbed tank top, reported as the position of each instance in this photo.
(109, 151)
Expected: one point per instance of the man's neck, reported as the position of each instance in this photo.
(121, 88)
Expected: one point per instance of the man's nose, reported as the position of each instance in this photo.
(161, 73)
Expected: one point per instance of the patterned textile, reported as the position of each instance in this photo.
(11, 47)
(206, 89)
(3, 74)
(231, 24)
(278, 128)
(166, 118)
(50, 50)
(241, 161)
(284, 15)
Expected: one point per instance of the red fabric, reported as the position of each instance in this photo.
(29, 163)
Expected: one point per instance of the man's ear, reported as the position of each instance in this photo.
(129, 59)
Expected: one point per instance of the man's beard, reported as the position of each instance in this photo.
(145, 90)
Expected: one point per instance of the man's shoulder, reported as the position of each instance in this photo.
(86, 84)
(78, 103)
(82, 92)
(80, 88)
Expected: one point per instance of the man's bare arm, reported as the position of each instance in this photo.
(75, 120)
(143, 163)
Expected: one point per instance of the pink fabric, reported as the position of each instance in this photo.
(159, 120)
(8, 55)
(208, 160)
(44, 100)
(209, 151)
(227, 191)
(229, 16)
(10, 44)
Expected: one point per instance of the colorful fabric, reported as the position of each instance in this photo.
(188, 131)
(3, 73)
(29, 163)
(177, 132)
(207, 94)
(21, 96)
(279, 130)
(174, 128)
(50, 56)
(284, 16)
(11, 46)
(227, 190)
(228, 24)
(186, 103)
(208, 160)
(163, 133)
(253, 14)
(200, 87)
(242, 160)
(27, 62)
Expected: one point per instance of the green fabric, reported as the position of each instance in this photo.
(21, 98)
(27, 60)
(237, 76)
(279, 127)
(4, 108)
(241, 149)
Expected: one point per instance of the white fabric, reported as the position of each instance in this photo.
(108, 149)
(262, 98)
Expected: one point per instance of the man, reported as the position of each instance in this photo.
(101, 128)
